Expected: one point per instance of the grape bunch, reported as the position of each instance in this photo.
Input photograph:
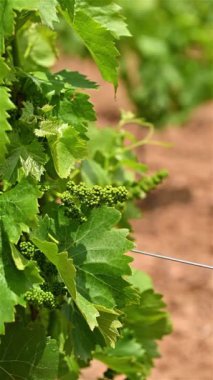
(38, 297)
(27, 249)
(149, 183)
(140, 188)
(51, 293)
(78, 199)
(31, 253)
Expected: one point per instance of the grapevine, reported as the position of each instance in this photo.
(69, 293)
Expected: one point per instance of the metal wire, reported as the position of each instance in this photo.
(159, 256)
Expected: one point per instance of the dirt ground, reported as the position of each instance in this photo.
(178, 222)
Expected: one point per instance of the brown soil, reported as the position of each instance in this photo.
(178, 222)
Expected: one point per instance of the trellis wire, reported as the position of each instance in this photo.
(160, 256)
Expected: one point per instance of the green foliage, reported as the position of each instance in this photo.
(112, 161)
(146, 321)
(67, 290)
(167, 69)
(172, 53)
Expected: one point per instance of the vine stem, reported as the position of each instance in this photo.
(148, 138)
(148, 142)
(15, 52)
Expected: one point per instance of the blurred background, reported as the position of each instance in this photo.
(167, 78)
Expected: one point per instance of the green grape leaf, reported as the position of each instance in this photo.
(98, 251)
(105, 140)
(47, 9)
(4, 70)
(36, 359)
(14, 282)
(19, 208)
(108, 324)
(93, 173)
(105, 333)
(140, 280)
(98, 39)
(144, 323)
(75, 79)
(37, 47)
(63, 264)
(28, 158)
(82, 338)
(100, 43)
(5, 106)
(77, 111)
(68, 368)
(148, 319)
(108, 14)
(47, 367)
(65, 144)
(88, 310)
(127, 357)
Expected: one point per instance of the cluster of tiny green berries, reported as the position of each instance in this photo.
(30, 252)
(46, 294)
(79, 198)
(151, 182)
(27, 249)
(146, 184)
(44, 188)
(38, 297)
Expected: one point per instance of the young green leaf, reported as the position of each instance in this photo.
(65, 144)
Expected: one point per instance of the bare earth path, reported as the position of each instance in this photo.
(178, 222)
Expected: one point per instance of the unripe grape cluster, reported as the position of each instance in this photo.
(27, 249)
(79, 198)
(145, 184)
(151, 182)
(30, 252)
(50, 293)
(38, 297)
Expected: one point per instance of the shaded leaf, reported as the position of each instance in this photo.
(19, 208)
(63, 264)
(36, 359)
(14, 282)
